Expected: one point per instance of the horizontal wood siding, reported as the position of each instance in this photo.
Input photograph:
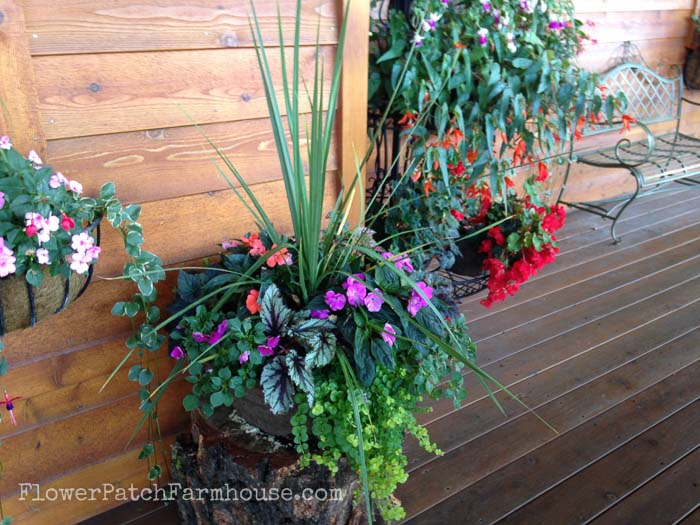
(107, 90)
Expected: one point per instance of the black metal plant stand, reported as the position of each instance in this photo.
(391, 161)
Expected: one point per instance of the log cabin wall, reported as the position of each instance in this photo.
(660, 29)
(104, 90)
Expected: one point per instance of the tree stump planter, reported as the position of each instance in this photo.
(248, 477)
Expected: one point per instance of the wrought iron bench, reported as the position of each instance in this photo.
(654, 161)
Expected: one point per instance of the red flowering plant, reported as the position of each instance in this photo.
(523, 241)
(489, 87)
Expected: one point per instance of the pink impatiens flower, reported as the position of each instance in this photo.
(389, 334)
(416, 303)
(56, 180)
(75, 187)
(7, 260)
(34, 157)
(5, 142)
(2, 200)
(243, 358)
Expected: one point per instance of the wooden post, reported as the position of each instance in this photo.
(19, 115)
(353, 104)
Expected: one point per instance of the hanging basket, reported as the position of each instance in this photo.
(23, 305)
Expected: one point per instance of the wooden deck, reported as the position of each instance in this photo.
(605, 346)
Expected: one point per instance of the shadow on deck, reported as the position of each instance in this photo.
(605, 346)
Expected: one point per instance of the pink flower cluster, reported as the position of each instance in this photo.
(58, 179)
(85, 252)
(40, 226)
(7, 260)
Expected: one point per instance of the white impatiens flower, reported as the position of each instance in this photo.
(417, 40)
(510, 37)
(42, 256)
(543, 6)
(431, 22)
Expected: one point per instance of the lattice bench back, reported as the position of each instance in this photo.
(651, 98)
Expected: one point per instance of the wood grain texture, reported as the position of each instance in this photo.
(81, 95)
(121, 470)
(19, 117)
(645, 25)
(161, 164)
(203, 222)
(353, 107)
(512, 485)
(85, 437)
(100, 26)
(595, 6)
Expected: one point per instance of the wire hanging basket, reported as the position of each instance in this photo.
(22, 305)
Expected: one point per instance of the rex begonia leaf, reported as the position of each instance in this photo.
(277, 386)
(321, 349)
(300, 373)
(274, 313)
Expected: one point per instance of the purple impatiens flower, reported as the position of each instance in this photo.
(416, 303)
(215, 336)
(243, 358)
(177, 353)
(355, 291)
(389, 334)
(321, 314)
(269, 347)
(219, 332)
(199, 337)
(335, 301)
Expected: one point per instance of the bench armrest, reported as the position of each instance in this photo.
(651, 144)
(692, 102)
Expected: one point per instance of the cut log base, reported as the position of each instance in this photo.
(231, 473)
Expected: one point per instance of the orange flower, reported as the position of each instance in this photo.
(578, 134)
(509, 182)
(416, 175)
(627, 121)
(459, 45)
(472, 156)
(249, 240)
(280, 258)
(519, 153)
(407, 120)
(428, 187)
(543, 172)
(251, 302)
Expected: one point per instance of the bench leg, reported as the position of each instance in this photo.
(616, 239)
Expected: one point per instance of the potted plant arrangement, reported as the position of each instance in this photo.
(339, 336)
(507, 93)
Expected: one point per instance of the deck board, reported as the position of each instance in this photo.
(605, 346)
